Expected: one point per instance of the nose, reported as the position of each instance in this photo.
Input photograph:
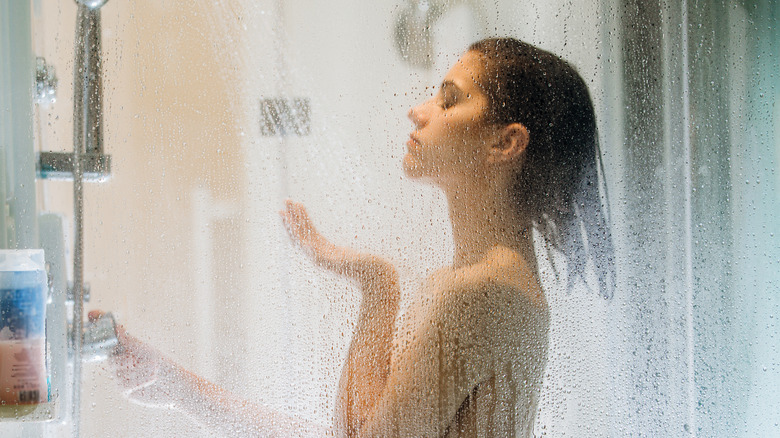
(418, 116)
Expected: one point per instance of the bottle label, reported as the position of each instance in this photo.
(23, 371)
(23, 377)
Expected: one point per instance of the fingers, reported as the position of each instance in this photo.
(298, 211)
(303, 233)
(295, 214)
(94, 315)
(139, 369)
(289, 218)
(298, 223)
(135, 363)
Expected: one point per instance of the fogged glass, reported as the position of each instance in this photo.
(215, 114)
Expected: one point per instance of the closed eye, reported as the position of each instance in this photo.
(449, 94)
(447, 102)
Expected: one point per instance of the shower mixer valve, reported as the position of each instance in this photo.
(100, 338)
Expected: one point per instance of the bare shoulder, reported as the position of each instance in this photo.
(497, 301)
(501, 273)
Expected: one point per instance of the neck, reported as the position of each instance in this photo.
(483, 219)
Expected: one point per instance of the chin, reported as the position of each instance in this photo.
(411, 168)
(414, 171)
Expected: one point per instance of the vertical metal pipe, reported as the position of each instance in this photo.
(93, 88)
(82, 75)
(87, 139)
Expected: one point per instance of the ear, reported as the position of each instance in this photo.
(512, 141)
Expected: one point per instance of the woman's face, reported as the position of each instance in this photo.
(452, 132)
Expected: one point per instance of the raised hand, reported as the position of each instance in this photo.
(373, 273)
(305, 236)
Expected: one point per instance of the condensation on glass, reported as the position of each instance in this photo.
(215, 114)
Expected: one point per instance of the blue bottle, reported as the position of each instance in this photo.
(23, 293)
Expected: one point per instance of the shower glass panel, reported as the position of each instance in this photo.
(216, 113)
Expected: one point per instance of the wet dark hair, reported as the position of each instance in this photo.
(558, 183)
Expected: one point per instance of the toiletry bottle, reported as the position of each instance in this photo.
(23, 292)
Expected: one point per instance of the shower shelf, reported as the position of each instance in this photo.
(40, 412)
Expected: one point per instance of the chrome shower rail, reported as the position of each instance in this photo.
(87, 140)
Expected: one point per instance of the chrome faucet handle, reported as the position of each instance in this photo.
(100, 338)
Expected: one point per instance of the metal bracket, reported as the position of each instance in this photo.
(45, 82)
(71, 296)
(59, 166)
(100, 339)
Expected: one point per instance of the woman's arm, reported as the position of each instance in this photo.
(435, 370)
(361, 267)
(368, 361)
(151, 379)
(218, 408)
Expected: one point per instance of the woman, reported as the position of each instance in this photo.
(510, 138)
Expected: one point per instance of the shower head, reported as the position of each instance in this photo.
(413, 31)
(92, 4)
